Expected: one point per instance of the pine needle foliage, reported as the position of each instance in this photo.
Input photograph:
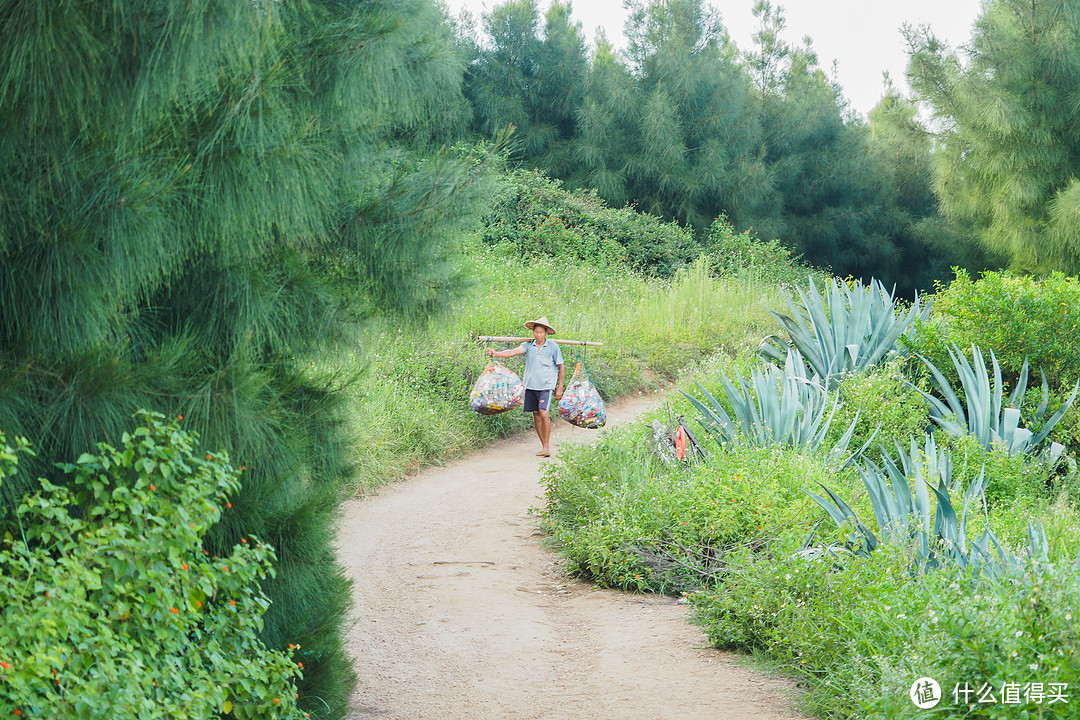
(193, 198)
(1009, 146)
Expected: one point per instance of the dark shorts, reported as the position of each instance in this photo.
(536, 400)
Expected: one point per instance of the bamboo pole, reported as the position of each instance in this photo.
(494, 338)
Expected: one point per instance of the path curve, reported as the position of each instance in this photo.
(461, 614)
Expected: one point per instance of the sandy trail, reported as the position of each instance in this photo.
(460, 613)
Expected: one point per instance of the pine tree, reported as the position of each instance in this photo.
(529, 82)
(1005, 118)
(194, 197)
(697, 132)
(499, 77)
(557, 90)
(605, 121)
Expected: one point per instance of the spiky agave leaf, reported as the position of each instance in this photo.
(847, 328)
(776, 407)
(984, 412)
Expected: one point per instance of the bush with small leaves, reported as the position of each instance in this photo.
(111, 606)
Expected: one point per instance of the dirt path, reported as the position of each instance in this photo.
(462, 614)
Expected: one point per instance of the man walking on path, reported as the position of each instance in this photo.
(544, 372)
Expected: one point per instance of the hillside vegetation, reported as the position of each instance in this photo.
(267, 234)
(867, 526)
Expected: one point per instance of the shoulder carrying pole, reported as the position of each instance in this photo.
(494, 338)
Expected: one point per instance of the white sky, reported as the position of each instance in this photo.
(862, 36)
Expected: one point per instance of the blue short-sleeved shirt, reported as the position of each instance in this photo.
(541, 365)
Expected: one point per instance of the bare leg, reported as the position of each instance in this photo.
(543, 430)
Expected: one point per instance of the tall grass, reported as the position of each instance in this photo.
(409, 406)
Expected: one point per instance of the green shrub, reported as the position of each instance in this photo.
(111, 607)
(862, 634)
(1015, 316)
(746, 256)
(1009, 477)
(533, 214)
(624, 520)
(889, 409)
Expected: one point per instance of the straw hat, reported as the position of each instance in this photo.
(541, 321)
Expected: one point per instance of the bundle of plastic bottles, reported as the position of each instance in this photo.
(581, 404)
(499, 389)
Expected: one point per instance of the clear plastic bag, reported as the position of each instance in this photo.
(497, 390)
(581, 404)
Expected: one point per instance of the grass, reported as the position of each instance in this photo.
(856, 631)
(409, 404)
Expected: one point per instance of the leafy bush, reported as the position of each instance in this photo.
(112, 609)
(1017, 317)
(536, 216)
(848, 328)
(622, 520)
(883, 404)
(1010, 478)
(862, 634)
(746, 256)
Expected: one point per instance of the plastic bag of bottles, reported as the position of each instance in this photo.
(499, 389)
(581, 404)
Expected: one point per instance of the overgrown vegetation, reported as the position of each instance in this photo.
(684, 125)
(237, 213)
(410, 404)
(951, 557)
(113, 607)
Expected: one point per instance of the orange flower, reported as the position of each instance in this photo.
(233, 603)
(228, 504)
(184, 565)
(174, 611)
(153, 488)
(5, 664)
(179, 417)
(209, 456)
(276, 700)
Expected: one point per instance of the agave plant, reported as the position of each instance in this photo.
(775, 407)
(847, 328)
(908, 517)
(985, 413)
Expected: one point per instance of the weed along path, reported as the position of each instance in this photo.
(460, 613)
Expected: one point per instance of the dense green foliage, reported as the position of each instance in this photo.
(863, 634)
(1018, 318)
(967, 575)
(689, 127)
(192, 199)
(112, 606)
(1005, 119)
(538, 217)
